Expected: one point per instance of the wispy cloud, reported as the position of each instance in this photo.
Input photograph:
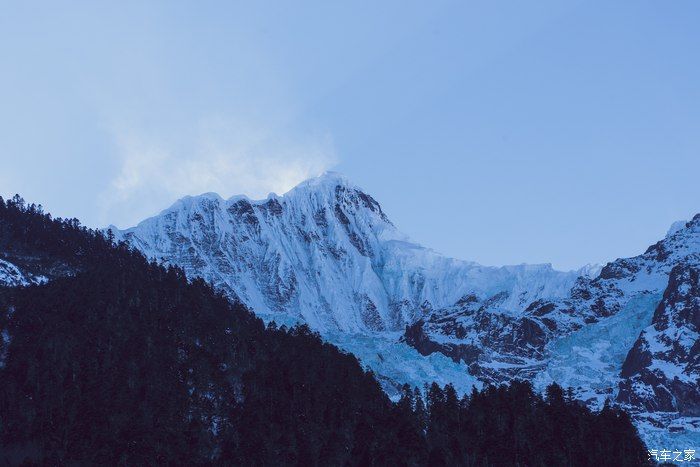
(222, 155)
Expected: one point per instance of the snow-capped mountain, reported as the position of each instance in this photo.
(326, 253)
(629, 334)
(500, 345)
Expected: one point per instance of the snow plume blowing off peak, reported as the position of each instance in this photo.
(326, 253)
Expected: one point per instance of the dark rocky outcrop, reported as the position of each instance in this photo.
(416, 337)
(662, 370)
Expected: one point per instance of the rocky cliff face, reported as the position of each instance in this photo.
(629, 334)
(662, 370)
(326, 253)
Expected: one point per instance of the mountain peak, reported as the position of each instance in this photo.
(327, 179)
(675, 227)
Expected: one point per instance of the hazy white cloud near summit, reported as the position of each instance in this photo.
(564, 132)
(224, 156)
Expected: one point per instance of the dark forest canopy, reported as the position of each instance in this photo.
(118, 360)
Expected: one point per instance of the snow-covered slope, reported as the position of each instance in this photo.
(645, 309)
(630, 334)
(662, 371)
(12, 276)
(326, 252)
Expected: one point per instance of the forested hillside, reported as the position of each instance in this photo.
(111, 359)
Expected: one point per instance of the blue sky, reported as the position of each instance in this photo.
(497, 131)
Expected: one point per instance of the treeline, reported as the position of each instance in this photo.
(25, 230)
(512, 425)
(124, 361)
